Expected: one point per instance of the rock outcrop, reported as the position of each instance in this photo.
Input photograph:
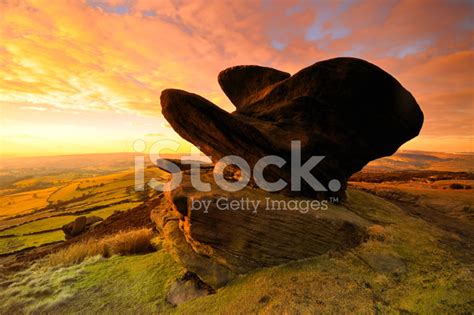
(345, 109)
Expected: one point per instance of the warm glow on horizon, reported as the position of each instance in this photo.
(86, 76)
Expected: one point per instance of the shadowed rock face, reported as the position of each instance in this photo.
(345, 109)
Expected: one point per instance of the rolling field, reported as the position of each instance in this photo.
(33, 227)
(24, 202)
(455, 202)
(21, 242)
(31, 217)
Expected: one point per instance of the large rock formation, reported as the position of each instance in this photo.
(345, 109)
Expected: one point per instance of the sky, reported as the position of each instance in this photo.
(86, 76)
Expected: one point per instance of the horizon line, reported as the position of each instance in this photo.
(6, 157)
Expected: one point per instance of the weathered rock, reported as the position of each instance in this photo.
(345, 109)
(79, 225)
(219, 244)
(170, 224)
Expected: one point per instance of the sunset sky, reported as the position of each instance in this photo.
(86, 76)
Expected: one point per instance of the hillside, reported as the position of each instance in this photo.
(406, 265)
(416, 258)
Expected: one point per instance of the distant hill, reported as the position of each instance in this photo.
(400, 161)
(421, 160)
(69, 161)
(78, 161)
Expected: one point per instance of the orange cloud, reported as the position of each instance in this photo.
(116, 56)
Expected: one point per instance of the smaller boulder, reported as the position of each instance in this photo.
(79, 225)
(187, 288)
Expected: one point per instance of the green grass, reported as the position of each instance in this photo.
(39, 225)
(106, 212)
(13, 244)
(46, 204)
(38, 288)
(133, 283)
(310, 286)
(121, 284)
(97, 201)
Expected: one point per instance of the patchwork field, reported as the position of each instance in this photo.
(24, 202)
(31, 217)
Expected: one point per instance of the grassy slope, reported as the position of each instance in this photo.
(134, 283)
(101, 285)
(408, 271)
(433, 281)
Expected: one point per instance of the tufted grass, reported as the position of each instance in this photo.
(122, 243)
(120, 284)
